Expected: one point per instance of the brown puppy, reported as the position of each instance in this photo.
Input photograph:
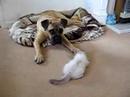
(51, 26)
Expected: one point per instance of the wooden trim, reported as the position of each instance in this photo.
(119, 7)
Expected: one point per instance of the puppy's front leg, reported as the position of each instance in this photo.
(68, 44)
(40, 37)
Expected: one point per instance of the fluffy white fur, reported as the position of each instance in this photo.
(74, 69)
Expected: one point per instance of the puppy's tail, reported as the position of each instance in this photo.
(61, 81)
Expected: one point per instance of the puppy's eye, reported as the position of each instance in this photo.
(51, 31)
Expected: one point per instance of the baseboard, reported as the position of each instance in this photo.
(6, 24)
(120, 28)
(100, 17)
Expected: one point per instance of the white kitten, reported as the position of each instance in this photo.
(74, 69)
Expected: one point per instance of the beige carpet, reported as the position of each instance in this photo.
(108, 74)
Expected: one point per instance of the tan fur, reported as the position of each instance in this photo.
(42, 35)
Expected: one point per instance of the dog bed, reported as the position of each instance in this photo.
(23, 31)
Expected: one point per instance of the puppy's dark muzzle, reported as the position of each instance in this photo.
(56, 39)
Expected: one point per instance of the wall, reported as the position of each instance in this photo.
(1, 18)
(12, 9)
(98, 8)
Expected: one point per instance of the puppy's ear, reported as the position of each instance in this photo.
(45, 24)
(64, 22)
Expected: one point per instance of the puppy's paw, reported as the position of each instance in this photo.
(39, 59)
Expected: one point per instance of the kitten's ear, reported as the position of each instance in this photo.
(64, 22)
(45, 24)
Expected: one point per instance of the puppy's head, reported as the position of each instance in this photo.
(55, 29)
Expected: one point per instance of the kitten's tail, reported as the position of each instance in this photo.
(61, 81)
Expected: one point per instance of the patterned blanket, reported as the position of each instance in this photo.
(23, 31)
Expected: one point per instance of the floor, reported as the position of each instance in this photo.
(108, 74)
